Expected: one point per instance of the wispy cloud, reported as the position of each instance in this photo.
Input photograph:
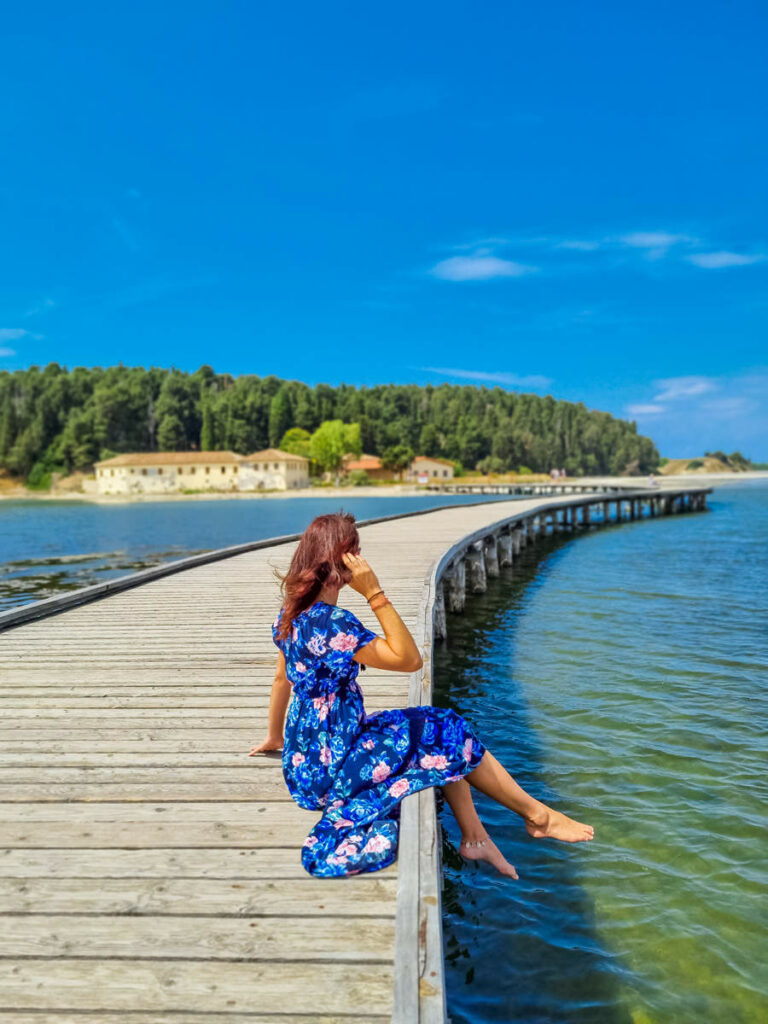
(577, 245)
(653, 239)
(501, 256)
(7, 352)
(674, 388)
(492, 377)
(39, 307)
(479, 268)
(645, 409)
(701, 414)
(723, 258)
(12, 333)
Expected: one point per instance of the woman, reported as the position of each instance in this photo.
(357, 767)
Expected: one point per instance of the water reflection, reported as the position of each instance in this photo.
(523, 950)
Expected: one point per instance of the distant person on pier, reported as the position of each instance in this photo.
(554, 474)
(357, 767)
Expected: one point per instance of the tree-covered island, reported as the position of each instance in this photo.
(55, 420)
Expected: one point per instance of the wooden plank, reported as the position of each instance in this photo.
(170, 864)
(218, 898)
(194, 936)
(202, 985)
(149, 1017)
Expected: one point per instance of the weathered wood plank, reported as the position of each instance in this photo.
(198, 937)
(200, 985)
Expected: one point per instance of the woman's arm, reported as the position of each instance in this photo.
(278, 704)
(396, 651)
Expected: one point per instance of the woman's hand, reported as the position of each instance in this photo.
(364, 579)
(270, 743)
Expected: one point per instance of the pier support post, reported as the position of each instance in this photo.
(491, 553)
(478, 581)
(506, 550)
(518, 539)
(456, 578)
(530, 530)
(632, 509)
(606, 511)
(440, 624)
(587, 515)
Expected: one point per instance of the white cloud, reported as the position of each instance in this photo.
(673, 388)
(717, 260)
(41, 307)
(12, 333)
(7, 352)
(645, 409)
(653, 239)
(478, 268)
(579, 246)
(513, 379)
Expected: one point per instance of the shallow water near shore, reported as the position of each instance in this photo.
(54, 546)
(621, 675)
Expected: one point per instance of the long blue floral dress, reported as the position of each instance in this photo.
(356, 767)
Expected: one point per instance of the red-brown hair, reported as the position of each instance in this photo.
(317, 563)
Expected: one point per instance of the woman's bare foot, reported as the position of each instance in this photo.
(549, 824)
(486, 849)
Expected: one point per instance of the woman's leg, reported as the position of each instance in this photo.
(458, 796)
(493, 779)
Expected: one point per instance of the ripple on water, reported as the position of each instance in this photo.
(626, 682)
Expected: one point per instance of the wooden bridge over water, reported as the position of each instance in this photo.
(150, 870)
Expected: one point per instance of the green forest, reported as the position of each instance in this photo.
(57, 420)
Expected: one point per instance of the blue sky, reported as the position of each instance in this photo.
(561, 198)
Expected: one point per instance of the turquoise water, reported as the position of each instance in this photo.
(49, 547)
(624, 679)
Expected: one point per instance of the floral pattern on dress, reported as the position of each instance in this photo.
(356, 767)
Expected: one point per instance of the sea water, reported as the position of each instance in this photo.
(622, 676)
(47, 547)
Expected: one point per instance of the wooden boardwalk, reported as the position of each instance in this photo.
(150, 869)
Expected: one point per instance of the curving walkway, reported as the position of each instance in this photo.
(150, 868)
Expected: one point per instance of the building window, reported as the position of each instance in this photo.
(223, 469)
(111, 472)
(445, 472)
(132, 472)
(160, 471)
(234, 469)
(143, 472)
(277, 465)
(193, 469)
(207, 469)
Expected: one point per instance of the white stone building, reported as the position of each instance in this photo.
(273, 469)
(173, 472)
(424, 469)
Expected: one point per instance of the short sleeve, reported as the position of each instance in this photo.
(348, 634)
(275, 625)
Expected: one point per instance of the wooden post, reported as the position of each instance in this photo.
(456, 576)
(506, 549)
(587, 514)
(606, 511)
(632, 508)
(518, 539)
(478, 581)
(491, 553)
(440, 623)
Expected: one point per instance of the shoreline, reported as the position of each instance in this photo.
(396, 491)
